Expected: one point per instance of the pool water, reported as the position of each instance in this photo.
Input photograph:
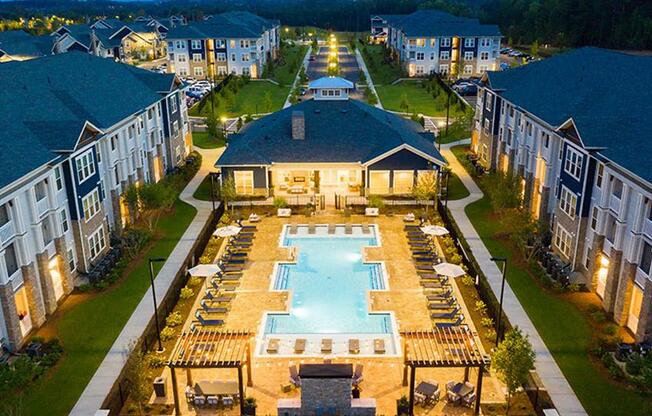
(329, 285)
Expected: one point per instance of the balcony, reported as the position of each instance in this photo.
(614, 203)
(42, 206)
(7, 231)
(647, 227)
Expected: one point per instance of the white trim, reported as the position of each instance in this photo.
(404, 146)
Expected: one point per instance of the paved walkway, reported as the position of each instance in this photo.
(370, 82)
(107, 373)
(560, 391)
(304, 63)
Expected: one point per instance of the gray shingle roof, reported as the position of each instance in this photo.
(18, 42)
(605, 92)
(344, 131)
(52, 98)
(429, 23)
(225, 25)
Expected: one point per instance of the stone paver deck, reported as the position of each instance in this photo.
(560, 391)
(382, 375)
(109, 370)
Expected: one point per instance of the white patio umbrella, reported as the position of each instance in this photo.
(449, 270)
(437, 230)
(204, 270)
(228, 231)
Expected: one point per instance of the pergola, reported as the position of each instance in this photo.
(441, 347)
(210, 348)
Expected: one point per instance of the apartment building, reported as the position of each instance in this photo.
(431, 41)
(574, 127)
(237, 43)
(79, 132)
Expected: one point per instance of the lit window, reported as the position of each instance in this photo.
(244, 182)
(379, 181)
(403, 181)
(568, 202)
(563, 240)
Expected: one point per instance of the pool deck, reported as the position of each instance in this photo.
(382, 375)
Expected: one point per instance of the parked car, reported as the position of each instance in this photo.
(195, 92)
(311, 58)
(504, 66)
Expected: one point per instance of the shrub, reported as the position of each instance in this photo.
(480, 306)
(186, 293)
(194, 281)
(280, 202)
(610, 329)
(167, 333)
(636, 363)
(456, 258)
(490, 334)
(487, 322)
(174, 319)
(468, 280)
(375, 201)
(599, 316)
(155, 360)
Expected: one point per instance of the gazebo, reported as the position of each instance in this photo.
(441, 347)
(209, 348)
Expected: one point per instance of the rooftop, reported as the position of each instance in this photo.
(20, 43)
(430, 23)
(344, 131)
(225, 25)
(330, 82)
(601, 90)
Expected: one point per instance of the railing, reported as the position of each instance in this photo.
(7, 231)
(647, 227)
(606, 247)
(614, 203)
(42, 206)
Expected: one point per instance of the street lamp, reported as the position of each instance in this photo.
(223, 119)
(151, 279)
(503, 260)
(212, 176)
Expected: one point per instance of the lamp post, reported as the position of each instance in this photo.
(151, 279)
(448, 108)
(223, 119)
(503, 260)
(212, 189)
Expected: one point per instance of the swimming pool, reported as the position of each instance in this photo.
(329, 284)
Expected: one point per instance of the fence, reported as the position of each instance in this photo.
(118, 394)
(344, 201)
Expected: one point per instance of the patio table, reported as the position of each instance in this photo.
(462, 389)
(216, 388)
(427, 389)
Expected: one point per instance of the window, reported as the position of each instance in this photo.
(220, 43)
(563, 240)
(97, 242)
(445, 42)
(568, 202)
(444, 55)
(173, 104)
(245, 57)
(468, 56)
(175, 128)
(244, 44)
(421, 56)
(181, 58)
(403, 181)
(545, 138)
(469, 42)
(85, 166)
(180, 45)
(432, 56)
(433, 42)
(11, 259)
(485, 42)
(221, 57)
(600, 175)
(489, 101)
(244, 182)
(573, 164)
(198, 71)
(71, 259)
(484, 56)
(116, 174)
(232, 44)
(196, 57)
(195, 44)
(221, 70)
(421, 43)
(232, 57)
(91, 204)
(646, 258)
(594, 218)
(4, 215)
(379, 181)
(610, 228)
(63, 217)
(468, 69)
(46, 228)
(443, 69)
(246, 71)
(617, 188)
(57, 178)
(182, 72)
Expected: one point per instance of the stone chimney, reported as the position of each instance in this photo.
(298, 125)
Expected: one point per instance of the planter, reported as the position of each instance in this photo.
(249, 410)
(402, 408)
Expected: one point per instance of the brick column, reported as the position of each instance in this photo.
(8, 303)
(644, 329)
(49, 298)
(624, 293)
(67, 279)
(544, 215)
(529, 189)
(611, 286)
(115, 207)
(594, 266)
(34, 299)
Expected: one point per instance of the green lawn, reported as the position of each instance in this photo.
(456, 189)
(562, 326)
(89, 328)
(203, 192)
(202, 140)
(248, 100)
(290, 63)
(381, 72)
(419, 99)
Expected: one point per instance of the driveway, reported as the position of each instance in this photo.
(348, 65)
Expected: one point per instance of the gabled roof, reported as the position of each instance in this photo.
(81, 33)
(429, 23)
(20, 43)
(53, 98)
(605, 93)
(330, 82)
(225, 25)
(342, 131)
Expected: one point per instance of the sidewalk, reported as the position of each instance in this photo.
(304, 64)
(109, 370)
(370, 82)
(561, 393)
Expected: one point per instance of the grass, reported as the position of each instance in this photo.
(249, 100)
(419, 99)
(562, 325)
(456, 189)
(202, 140)
(88, 329)
(381, 72)
(203, 192)
(291, 59)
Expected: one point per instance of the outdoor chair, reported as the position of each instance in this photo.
(199, 400)
(438, 305)
(469, 399)
(354, 346)
(208, 321)
(227, 401)
(294, 376)
(435, 285)
(452, 397)
(357, 374)
(212, 309)
(272, 346)
(299, 345)
(379, 346)
(455, 323)
(446, 315)
(190, 394)
(212, 401)
(439, 296)
(348, 229)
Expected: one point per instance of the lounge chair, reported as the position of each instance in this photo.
(199, 400)
(235, 254)
(299, 345)
(312, 229)
(459, 320)
(371, 212)
(379, 346)
(208, 321)
(284, 212)
(409, 217)
(434, 285)
(253, 217)
(217, 297)
(446, 315)
(354, 346)
(272, 346)
(212, 400)
(326, 345)
(348, 229)
(469, 399)
(294, 376)
(230, 277)
(442, 305)
(212, 309)
(365, 229)
(293, 229)
(331, 228)
(439, 296)
(357, 374)
(227, 259)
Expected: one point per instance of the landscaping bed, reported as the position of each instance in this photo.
(425, 97)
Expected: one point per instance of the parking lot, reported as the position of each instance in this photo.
(348, 65)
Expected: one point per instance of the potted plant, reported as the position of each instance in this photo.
(281, 207)
(403, 406)
(249, 406)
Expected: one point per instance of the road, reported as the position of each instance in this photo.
(348, 65)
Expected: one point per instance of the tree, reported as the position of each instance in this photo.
(405, 104)
(426, 187)
(136, 369)
(534, 48)
(149, 201)
(267, 101)
(227, 191)
(212, 125)
(513, 360)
